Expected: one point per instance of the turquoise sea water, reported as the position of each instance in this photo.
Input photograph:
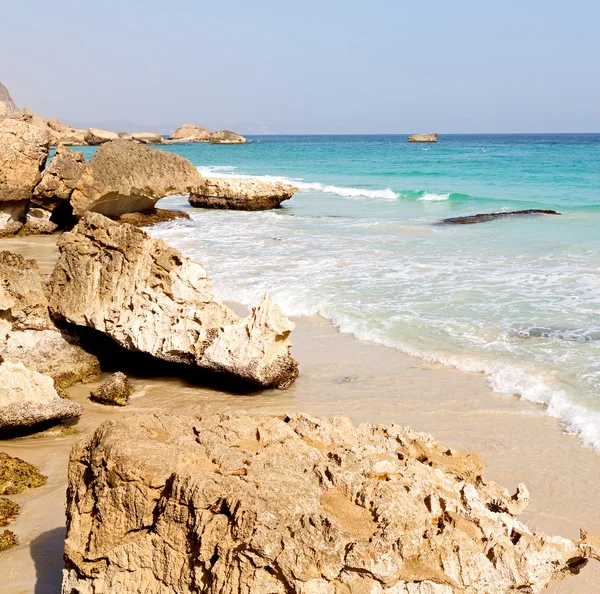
(518, 299)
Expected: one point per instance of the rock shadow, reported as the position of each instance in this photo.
(47, 554)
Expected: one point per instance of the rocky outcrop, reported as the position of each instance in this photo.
(38, 222)
(97, 136)
(124, 176)
(423, 138)
(28, 397)
(226, 137)
(114, 391)
(240, 193)
(7, 105)
(58, 132)
(491, 216)
(190, 133)
(29, 336)
(150, 217)
(247, 503)
(147, 137)
(148, 297)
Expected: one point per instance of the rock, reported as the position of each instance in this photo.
(190, 133)
(423, 138)
(147, 137)
(248, 503)
(490, 216)
(7, 105)
(240, 194)
(116, 390)
(38, 222)
(8, 539)
(9, 510)
(28, 397)
(150, 217)
(12, 217)
(59, 178)
(148, 297)
(124, 176)
(226, 137)
(97, 136)
(16, 475)
(58, 132)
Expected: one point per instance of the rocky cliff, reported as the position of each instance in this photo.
(7, 105)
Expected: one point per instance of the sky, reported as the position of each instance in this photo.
(328, 66)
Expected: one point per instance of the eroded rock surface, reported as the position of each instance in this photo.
(423, 138)
(114, 391)
(147, 137)
(58, 132)
(226, 137)
(148, 297)
(97, 136)
(7, 106)
(125, 176)
(491, 216)
(246, 503)
(240, 193)
(190, 133)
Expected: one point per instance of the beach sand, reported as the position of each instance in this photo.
(339, 375)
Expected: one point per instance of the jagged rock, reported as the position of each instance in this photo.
(9, 510)
(147, 137)
(37, 222)
(150, 217)
(16, 475)
(12, 217)
(423, 138)
(148, 297)
(247, 503)
(490, 216)
(28, 397)
(8, 539)
(240, 193)
(97, 136)
(226, 137)
(58, 132)
(190, 133)
(28, 335)
(7, 105)
(124, 176)
(59, 178)
(116, 390)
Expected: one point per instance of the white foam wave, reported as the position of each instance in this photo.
(431, 197)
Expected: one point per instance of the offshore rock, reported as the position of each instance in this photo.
(150, 217)
(148, 297)
(7, 106)
(190, 133)
(116, 390)
(226, 137)
(28, 397)
(97, 136)
(491, 216)
(125, 176)
(246, 503)
(240, 193)
(423, 138)
(147, 137)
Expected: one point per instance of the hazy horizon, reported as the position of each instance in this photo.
(340, 68)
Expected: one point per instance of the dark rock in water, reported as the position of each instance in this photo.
(8, 539)
(490, 216)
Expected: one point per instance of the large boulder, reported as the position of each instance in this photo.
(247, 503)
(97, 136)
(28, 397)
(226, 137)
(148, 297)
(240, 193)
(58, 132)
(147, 137)
(125, 176)
(115, 391)
(423, 138)
(8, 108)
(191, 133)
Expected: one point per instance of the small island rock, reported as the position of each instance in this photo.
(97, 136)
(226, 137)
(147, 137)
(190, 133)
(423, 138)
(115, 391)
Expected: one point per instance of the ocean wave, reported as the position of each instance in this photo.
(431, 197)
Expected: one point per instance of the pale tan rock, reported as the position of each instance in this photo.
(28, 397)
(98, 136)
(59, 178)
(8, 108)
(148, 297)
(233, 504)
(240, 193)
(147, 137)
(191, 133)
(226, 137)
(115, 391)
(58, 132)
(12, 217)
(37, 222)
(423, 138)
(124, 176)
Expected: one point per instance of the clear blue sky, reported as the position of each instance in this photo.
(383, 66)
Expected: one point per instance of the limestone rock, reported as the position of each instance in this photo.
(28, 397)
(7, 105)
(190, 133)
(12, 217)
(240, 193)
(124, 176)
(147, 137)
(247, 503)
(116, 390)
(59, 178)
(98, 136)
(9, 510)
(423, 138)
(8, 539)
(58, 132)
(150, 217)
(148, 297)
(38, 222)
(226, 137)
(16, 475)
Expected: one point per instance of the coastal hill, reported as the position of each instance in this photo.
(7, 105)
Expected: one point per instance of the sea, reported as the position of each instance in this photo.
(517, 299)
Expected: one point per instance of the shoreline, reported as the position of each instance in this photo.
(340, 375)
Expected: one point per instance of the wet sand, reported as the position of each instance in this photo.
(339, 376)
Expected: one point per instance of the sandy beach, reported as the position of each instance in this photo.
(339, 376)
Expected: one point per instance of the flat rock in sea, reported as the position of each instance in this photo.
(253, 503)
(226, 137)
(240, 193)
(423, 138)
(147, 137)
(190, 133)
(97, 136)
(484, 217)
(148, 297)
